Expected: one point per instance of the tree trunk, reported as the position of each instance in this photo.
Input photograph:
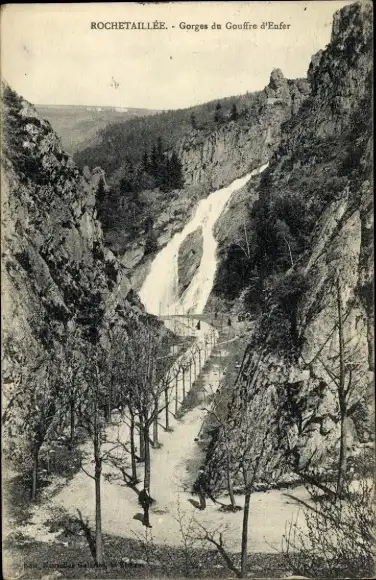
(98, 515)
(290, 254)
(167, 410)
(183, 378)
(147, 459)
(133, 448)
(243, 563)
(72, 422)
(228, 472)
(142, 440)
(34, 480)
(229, 482)
(155, 432)
(176, 395)
(97, 478)
(109, 402)
(342, 463)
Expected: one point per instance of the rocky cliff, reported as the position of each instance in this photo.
(56, 272)
(189, 258)
(309, 260)
(212, 159)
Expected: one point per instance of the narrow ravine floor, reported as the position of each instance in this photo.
(171, 481)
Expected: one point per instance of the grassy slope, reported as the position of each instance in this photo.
(78, 127)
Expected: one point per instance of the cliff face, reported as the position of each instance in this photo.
(189, 258)
(322, 174)
(55, 268)
(212, 160)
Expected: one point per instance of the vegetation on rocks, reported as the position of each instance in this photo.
(296, 264)
(177, 156)
(65, 293)
(78, 346)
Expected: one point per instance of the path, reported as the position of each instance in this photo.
(171, 480)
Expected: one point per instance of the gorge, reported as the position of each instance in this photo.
(188, 311)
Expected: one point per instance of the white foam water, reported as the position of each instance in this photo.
(159, 292)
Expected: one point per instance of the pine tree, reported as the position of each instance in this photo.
(193, 121)
(176, 172)
(160, 154)
(151, 242)
(126, 184)
(154, 167)
(171, 176)
(100, 198)
(218, 115)
(244, 112)
(145, 161)
(234, 115)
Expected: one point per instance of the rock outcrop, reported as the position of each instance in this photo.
(56, 273)
(213, 159)
(324, 167)
(189, 258)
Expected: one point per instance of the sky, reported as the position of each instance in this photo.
(50, 54)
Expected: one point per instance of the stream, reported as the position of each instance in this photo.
(159, 292)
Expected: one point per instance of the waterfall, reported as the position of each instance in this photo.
(159, 293)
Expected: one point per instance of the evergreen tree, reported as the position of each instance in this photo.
(172, 174)
(218, 115)
(176, 172)
(160, 154)
(100, 198)
(193, 121)
(145, 161)
(126, 185)
(154, 166)
(234, 115)
(151, 242)
(244, 113)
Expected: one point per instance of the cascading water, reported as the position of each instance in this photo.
(159, 293)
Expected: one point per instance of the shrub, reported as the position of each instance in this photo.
(336, 539)
(151, 243)
(278, 324)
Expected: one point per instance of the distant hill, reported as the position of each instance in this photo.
(136, 135)
(78, 126)
(132, 138)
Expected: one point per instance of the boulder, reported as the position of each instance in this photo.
(189, 258)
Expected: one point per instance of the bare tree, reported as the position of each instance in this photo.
(121, 393)
(93, 420)
(227, 441)
(216, 538)
(187, 526)
(73, 359)
(253, 460)
(345, 385)
(343, 372)
(333, 540)
(36, 399)
(146, 390)
(168, 373)
(248, 427)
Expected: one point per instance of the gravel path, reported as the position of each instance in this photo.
(171, 481)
